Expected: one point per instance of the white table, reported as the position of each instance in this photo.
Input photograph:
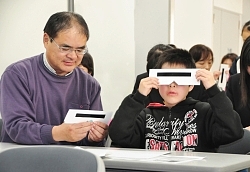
(216, 162)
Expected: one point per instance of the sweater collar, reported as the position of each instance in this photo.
(46, 63)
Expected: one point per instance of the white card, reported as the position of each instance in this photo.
(222, 82)
(179, 76)
(76, 116)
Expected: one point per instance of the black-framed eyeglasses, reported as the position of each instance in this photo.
(67, 50)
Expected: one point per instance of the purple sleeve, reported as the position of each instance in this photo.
(18, 112)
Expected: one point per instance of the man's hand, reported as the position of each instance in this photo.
(147, 84)
(71, 132)
(98, 131)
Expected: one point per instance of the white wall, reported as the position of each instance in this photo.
(245, 11)
(245, 17)
(21, 28)
(226, 34)
(192, 21)
(111, 41)
(151, 28)
(230, 5)
(233, 8)
(111, 44)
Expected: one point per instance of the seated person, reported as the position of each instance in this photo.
(245, 33)
(180, 124)
(87, 64)
(37, 92)
(203, 58)
(228, 59)
(152, 58)
(238, 86)
(154, 53)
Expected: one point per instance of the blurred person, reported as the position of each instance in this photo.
(203, 57)
(228, 59)
(245, 33)
(238, 86)
(87, 64)
(152, 58)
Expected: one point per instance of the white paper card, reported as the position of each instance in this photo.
(224, 69)
(177, 159)
(76, 116)
(179, 76)
(98, 152)
(134, 155)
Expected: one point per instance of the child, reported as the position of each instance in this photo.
(181, 124)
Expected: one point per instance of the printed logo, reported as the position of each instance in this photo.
(179, 134)
(153, 144)
(190, 116)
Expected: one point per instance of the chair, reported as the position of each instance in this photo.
(241, 146)
(1, 124)
(49, 158)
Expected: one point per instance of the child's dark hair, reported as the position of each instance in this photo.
(176, 57)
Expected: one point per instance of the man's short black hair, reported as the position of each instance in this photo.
(65, 20)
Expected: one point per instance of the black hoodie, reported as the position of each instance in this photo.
(191, 125)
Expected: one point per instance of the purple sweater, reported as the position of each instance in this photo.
(33, 100)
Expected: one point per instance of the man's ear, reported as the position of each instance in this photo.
(190, 88)
(46, 38)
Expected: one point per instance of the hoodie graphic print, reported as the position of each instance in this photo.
(173, 134)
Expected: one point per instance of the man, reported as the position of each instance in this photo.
(36, 93)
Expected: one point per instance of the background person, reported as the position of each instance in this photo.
(238, 86)
(237, 90)
(245, 33)
(203, 58)
(152, 58)
(87, 64)
(228, 59)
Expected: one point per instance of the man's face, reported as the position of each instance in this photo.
(60, 61)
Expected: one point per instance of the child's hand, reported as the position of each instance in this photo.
(206, 77)
(146, 85)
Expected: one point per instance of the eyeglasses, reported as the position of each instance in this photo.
(67, 50)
